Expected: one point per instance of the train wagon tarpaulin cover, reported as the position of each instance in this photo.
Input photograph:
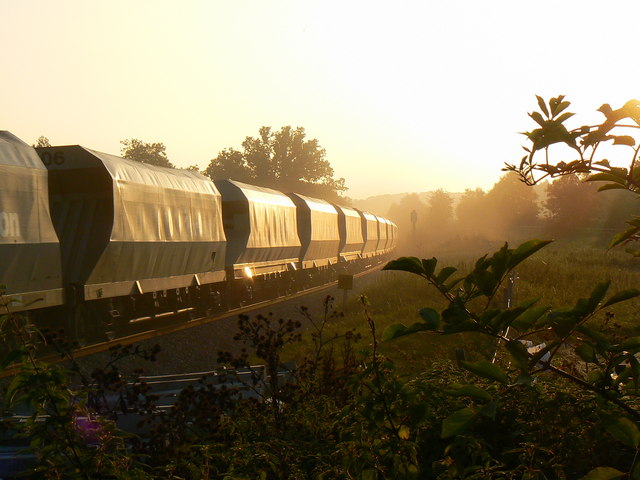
(351, 239)
(29, 248)
(384, 236)
(163, 226)
(318, 230)
(394, 235)
(260, 224)
(370, 233)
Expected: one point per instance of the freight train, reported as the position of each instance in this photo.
(95, 244)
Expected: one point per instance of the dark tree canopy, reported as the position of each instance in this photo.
(230, 163)
(570, 203)
(42, 142)
(440, 209)
(400, 213)
(284, 160)
(516, 204)
(471, 211)
(151, 153)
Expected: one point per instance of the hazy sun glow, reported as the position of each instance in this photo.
(405, 96)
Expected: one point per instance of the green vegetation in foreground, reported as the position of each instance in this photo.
(358, 408)
(569, 410)
(395, 297)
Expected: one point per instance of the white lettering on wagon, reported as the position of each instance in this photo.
(9, 224)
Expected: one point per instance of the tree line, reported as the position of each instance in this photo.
(512, 210)
(284, 160)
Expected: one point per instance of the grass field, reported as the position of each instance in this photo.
(558, 275)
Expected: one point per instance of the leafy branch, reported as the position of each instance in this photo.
(567, 333)
(584, 142)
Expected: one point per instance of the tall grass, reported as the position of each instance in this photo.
(558, 275)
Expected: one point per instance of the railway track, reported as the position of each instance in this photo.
(84, 351)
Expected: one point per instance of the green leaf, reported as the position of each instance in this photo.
(457, 422)
(505, 318)
(622, 296)
(444, 274)
(611, 186)
(455, 313)
(406, 264)
(623, 236)
(603, 473)
(622, 429)
(367, 474)
(632, 343)
(624, 140)
(527, 320)
(14, 356)
(486, 281)
(565, 116)
(468, 391)
(563, 322)
(393, 331)
(587, 352)
(482, 263)
(449, 286)
(557, 105)
(457, 319)
(552, 132)
(595, 137)
(429, 266)
(597, 295)
(525, 250)
(430, 317)
(399, 330)
(467, 325)
(561, 107)
(542, 105)
(499, 261)
(489, 410)
(487, 370)
(488, 315)
(608, 177)
(601, 340)
(519, 354)
(539, 119)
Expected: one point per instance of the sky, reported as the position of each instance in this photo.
(405, 96)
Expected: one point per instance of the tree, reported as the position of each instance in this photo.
(229, 163)
(400, 214)
(570, 203)
(440, 209)
(284, 160)
(151, 153)
(42, 142)
(616, 207)
(511, 207)
(471, 212)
